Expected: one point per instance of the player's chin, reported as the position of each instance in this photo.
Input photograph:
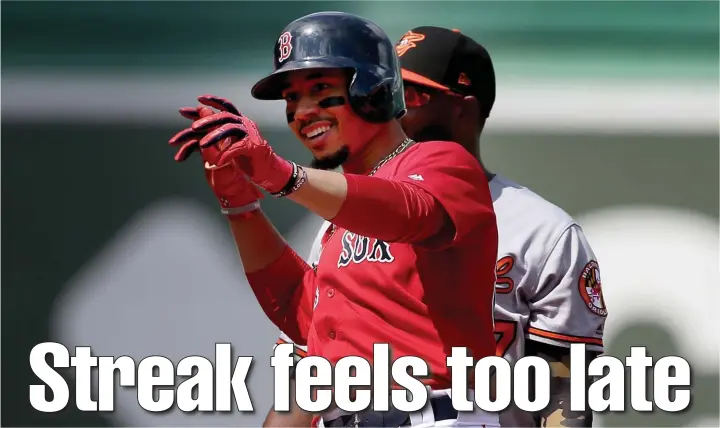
(325, 155)
(330, 159)
(324, 147)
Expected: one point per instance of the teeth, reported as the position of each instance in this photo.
(318, 131)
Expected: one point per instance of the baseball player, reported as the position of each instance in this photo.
(548, 289)
(422, 278)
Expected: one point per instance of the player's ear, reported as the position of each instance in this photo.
(470, 108)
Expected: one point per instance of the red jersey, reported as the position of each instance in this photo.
(421, 299)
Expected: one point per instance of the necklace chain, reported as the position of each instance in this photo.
(404, 145)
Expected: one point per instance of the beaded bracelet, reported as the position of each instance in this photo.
(298, 178)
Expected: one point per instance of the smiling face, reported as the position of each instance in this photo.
(321, 117)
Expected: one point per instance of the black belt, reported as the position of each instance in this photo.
(442, 410)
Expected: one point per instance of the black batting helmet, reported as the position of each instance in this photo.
(341, 40)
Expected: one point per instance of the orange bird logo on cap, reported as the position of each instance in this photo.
(408, 42)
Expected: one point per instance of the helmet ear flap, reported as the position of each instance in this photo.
(374, 98)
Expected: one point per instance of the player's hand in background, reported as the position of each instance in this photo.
(227, 180)
(246, 147)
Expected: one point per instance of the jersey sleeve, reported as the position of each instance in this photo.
(457, 181)
(300, 351)
(568, 306)
(283, 290)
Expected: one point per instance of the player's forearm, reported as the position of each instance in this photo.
(357, 203)
(323, 193)
(558, 413)
(258, 242)
(281, 289)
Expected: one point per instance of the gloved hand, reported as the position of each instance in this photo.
(236, 194)
(246, 147)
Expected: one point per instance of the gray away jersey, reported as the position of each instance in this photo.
(548, 285)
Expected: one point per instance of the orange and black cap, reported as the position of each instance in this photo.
(448, 60)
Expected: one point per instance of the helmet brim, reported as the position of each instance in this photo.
(271, 86)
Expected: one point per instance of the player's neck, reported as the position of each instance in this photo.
(382, 144)
(472, 145)
(488, 174)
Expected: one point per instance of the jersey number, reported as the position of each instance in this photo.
(505, 332)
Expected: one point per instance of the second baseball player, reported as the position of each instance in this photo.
(548, 290)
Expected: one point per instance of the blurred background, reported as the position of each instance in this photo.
(608, 109)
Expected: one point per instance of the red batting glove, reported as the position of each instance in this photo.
(236, 194)
(247, 147)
